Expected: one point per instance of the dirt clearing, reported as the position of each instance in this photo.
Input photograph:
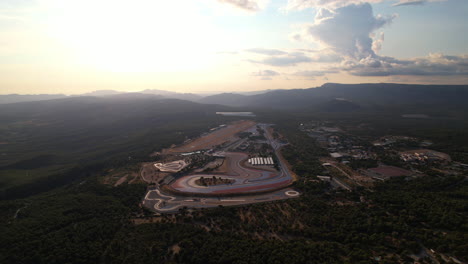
(214, 138)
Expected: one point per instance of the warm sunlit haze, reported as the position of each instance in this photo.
(72, 47)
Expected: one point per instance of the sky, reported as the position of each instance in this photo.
(78, 46)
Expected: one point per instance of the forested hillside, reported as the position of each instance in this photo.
(371, 95)
(91, 223)
(49, 139)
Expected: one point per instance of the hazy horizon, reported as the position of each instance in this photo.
(233, 131)
(109, 92)
(75, 47)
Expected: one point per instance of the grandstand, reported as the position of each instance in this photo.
(261, 161)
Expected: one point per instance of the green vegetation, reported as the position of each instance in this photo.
(48, 141)
(69, 217)
(364, 163)
(302, 152)
(89, 223)
(213, 181)
(72, 225)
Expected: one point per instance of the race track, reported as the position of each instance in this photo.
(246, 180)
(247, 185)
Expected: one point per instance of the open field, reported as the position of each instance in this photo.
(212, 139)
(120, 176)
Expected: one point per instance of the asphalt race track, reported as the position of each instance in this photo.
(245, 179)
(249, 185)
(165, 203)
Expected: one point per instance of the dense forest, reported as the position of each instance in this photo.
(74, 218)
(91, 223)
(47, 144)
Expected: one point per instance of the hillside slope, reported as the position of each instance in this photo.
(367, 94)
(44, 138)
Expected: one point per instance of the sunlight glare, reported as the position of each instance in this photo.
(133, 35)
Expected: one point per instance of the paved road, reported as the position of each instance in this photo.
(341, 183)
(246, 181)
(164, 203)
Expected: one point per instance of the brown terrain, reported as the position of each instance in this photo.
(348, 175)
(151, 174)
(116, 178)
(215, 138)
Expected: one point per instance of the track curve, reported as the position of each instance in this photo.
(246, 180)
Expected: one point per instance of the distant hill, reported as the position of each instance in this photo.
(388, 93)
(152, 92)
(101, 93)
(102, 110)
(257, 92)
(231, 99)
(364, 95)
(339, 105)
(174, 95)
(17, 98)
(382, 94)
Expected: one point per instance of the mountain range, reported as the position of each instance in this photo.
(328, 97)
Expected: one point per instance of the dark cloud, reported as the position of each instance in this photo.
(433, 65)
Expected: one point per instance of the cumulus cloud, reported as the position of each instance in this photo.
(265, 74)
(352, 38)
(328, 4)
(333, 4)
(377, 42)
(347, 30)
(432, 65)
(248, 5)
